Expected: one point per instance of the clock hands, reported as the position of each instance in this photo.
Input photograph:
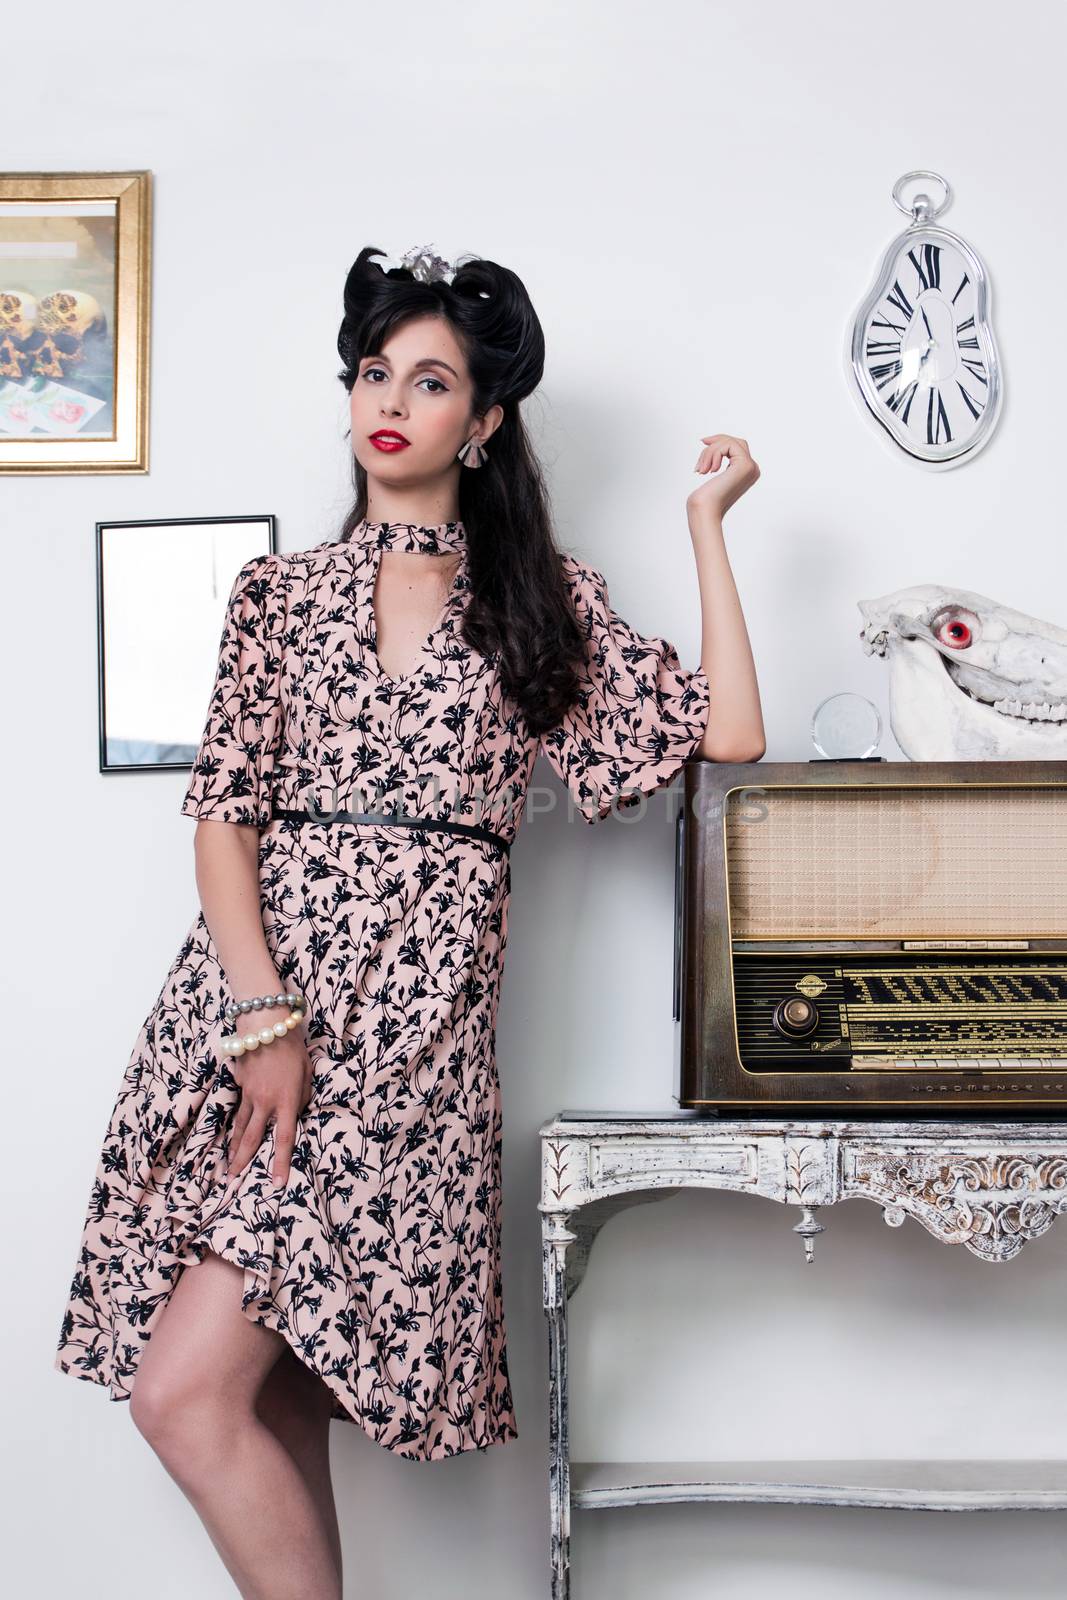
(912, 361)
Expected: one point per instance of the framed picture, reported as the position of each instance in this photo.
(75, 273)
(162, 589)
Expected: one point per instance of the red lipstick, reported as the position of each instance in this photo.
(388, 439)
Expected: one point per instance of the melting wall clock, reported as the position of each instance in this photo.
(921, 353)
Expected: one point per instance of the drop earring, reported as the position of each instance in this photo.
(473, 453)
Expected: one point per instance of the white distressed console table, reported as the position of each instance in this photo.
(991, 1186)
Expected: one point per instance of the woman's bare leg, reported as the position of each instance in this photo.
(296, 1406)
(194, 1399)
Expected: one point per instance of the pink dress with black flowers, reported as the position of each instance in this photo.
(379, 1259)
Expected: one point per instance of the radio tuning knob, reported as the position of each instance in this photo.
(795, 1017)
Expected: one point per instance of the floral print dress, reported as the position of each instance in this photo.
(379, 1259)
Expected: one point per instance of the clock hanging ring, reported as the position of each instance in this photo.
(921, 353)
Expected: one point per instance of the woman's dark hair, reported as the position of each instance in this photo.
(519, 610)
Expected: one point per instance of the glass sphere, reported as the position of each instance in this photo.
(846, 725)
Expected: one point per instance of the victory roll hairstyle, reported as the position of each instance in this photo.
(519, 611)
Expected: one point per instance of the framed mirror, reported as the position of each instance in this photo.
(162, 588)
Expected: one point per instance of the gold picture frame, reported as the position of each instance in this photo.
(75, 290)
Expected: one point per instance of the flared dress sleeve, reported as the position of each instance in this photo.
(231, 775)
(639, 714)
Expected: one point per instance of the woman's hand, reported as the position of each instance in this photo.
(275, 1081)
(718, 494)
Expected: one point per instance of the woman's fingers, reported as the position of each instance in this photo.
(240, 1122)
(250, 1140)
(240, 1116)
(284, 1139)
(717, 448)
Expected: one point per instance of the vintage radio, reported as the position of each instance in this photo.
(872, 935)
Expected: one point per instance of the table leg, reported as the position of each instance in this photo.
(557, 1237)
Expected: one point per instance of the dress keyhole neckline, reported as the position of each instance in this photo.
(425, 650)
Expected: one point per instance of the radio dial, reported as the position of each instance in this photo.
(796, 1017)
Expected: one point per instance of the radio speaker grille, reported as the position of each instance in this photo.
(870, 863)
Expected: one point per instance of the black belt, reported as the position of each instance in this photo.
(446, 825)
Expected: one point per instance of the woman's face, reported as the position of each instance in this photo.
(417, 387)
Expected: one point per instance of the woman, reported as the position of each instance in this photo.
(304, 1223)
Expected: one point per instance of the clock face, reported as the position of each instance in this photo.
(923, 353)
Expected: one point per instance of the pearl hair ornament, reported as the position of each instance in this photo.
(425, 265)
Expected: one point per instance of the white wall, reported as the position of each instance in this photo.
(696, 196)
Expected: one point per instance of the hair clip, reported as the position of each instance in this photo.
(427, 267)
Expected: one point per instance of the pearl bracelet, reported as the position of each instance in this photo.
(235, 1044)
(292, 998)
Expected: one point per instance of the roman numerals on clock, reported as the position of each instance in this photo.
(927, 265)
(937, 428)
